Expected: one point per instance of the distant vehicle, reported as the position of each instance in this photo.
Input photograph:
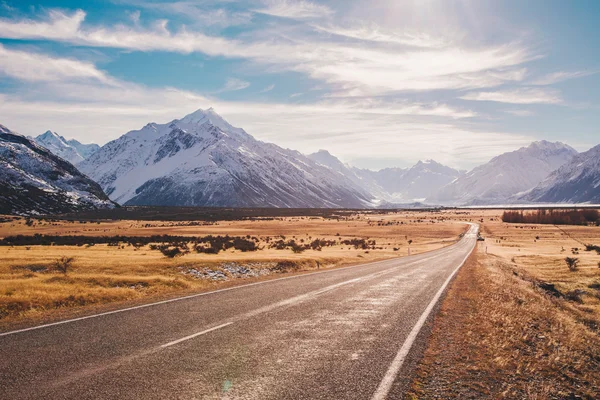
(480, 238)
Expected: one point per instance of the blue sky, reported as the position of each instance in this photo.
(378, 83)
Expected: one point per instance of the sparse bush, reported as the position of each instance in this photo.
(592, 247)
(63, 264)
(572, 263)
(171, 252)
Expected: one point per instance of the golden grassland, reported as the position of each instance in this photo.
(498, 337)
(31, 287)
(501, 333)
(537, 253)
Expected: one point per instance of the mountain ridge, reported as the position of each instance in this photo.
(33, 180)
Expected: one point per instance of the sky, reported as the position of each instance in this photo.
(382, 83)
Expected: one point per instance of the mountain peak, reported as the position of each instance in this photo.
(547, 145)
(200, 117)
(49, 135)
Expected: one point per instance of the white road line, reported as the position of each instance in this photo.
(195, 335)
(388, 380)
(67, 321)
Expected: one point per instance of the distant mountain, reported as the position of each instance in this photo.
(578, 181)
(360, 178)
(393, 185)
(420, 181)
(201, 160)
(506, 175)
(35, 181)
(70, 150)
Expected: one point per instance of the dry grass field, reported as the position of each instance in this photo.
(32, 285)
(516, 322)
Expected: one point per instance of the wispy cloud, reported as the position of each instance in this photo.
(234, 84)
(196, 12)
(520, 113)
(374, 69)
(296, 9)
(517, 96)
(37, 67)
(560, 76)
(375, 33)
(268, 89)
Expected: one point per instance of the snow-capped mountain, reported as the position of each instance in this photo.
(394, 185)
(416, 183)
(35, 181)
(506, 175)
(201, 160)
(70, 150)
(578, 181)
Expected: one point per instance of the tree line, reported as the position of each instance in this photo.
(553, 217)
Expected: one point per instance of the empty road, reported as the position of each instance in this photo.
(337, 334)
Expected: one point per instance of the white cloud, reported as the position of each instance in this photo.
(560, 76)
(373, 69)
(234, 84)
(517, 96)
(35, 67)
(520, 113)
(295, 9)
(375, 33)
(268, 89)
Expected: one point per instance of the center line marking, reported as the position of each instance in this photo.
(195, 335)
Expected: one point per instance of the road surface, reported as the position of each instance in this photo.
(347, 333)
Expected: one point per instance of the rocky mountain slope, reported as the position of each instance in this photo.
(71, 150)
(35, 181)
(578, 181)
(201, 160)
(506, 175)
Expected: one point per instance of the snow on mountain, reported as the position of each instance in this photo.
(394, 185)
(578, 181)
(360, 178)
(35, 181)
(418, 182)
(506, 175)
(70, 150)
(201, 160)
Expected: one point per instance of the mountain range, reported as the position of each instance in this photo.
(202, 160)
(502, 179)
(35, 181)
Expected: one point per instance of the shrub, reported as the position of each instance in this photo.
(64, 263)
(171, 252)
(572, 263)
(592, 247)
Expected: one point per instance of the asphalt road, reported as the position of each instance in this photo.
(338, 334)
